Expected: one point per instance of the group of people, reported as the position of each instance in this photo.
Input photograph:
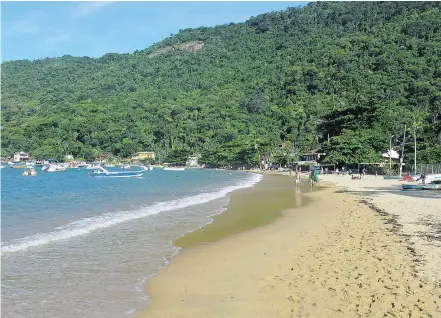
(361, 173)
(312, 176)
(298, 175)
(30, 172)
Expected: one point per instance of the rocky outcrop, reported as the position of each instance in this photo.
(193, 46)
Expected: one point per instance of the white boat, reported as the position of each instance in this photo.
(147, 168)
(174, 168)
(433, 177)
(429, 178)
(125, 167)
(109, 166)
(101, 172)
(53, 167)
(92, 166)
(61, 167)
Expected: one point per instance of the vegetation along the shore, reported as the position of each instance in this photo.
(340, 76)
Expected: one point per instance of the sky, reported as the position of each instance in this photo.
(35, 30)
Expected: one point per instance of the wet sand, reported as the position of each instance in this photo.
(249, 208)
(332, 257)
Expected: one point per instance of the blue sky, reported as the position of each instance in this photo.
(33, 30)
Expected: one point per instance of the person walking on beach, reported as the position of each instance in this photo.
(297, 176)
(311, 178)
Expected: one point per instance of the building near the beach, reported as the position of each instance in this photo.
(315, 155)
(103, 157)
(143, 155)
(21, 156)
(391, 154)
(193, 161)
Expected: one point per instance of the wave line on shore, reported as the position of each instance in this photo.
(87, 225)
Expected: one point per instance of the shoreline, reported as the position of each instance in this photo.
(264, 203)
(220, 226)
(331, 257)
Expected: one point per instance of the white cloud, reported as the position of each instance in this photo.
(86, 9)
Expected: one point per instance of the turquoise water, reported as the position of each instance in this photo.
(78, 246)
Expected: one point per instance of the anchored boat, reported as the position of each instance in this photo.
(167, 166)
(101, 172)
(175, 168)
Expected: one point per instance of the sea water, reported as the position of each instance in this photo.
(80, 246)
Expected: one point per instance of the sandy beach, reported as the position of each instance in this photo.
(327, 252)
(415, 215)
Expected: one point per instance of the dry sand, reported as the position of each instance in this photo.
(416, 216)
(334, 257)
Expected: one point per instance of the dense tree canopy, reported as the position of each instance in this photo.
(356, 72)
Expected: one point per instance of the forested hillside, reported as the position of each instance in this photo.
(354, 71)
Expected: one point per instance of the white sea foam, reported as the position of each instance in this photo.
(88, 225)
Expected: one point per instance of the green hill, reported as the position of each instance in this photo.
(354, 71)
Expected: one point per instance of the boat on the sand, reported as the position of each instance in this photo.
(433, 185)
(412, 186)
(391, 177)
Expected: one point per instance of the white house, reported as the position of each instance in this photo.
(391, 154)
(192, 161)
(21, 156)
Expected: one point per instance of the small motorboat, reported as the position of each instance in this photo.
(53, 167)
(21, 165)
(173, 168)
(92, 166)
(101, 172)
